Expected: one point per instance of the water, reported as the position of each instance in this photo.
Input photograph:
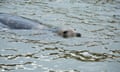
(98, 50)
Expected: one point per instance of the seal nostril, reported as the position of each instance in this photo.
(78, 35)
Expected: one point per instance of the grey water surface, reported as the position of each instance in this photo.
(98, 50)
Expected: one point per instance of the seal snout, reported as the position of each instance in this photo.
(78, 35)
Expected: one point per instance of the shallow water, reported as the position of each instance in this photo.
(98, 50)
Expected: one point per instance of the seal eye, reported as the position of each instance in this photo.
(65, 32)
(78, 35)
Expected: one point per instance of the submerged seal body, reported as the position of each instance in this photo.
(10, 21)
(18, 22)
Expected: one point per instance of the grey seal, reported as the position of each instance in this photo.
(10, 21)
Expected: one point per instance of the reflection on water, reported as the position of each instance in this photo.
(43, 51)
(83, 55)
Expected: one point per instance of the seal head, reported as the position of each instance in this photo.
(68, 33)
